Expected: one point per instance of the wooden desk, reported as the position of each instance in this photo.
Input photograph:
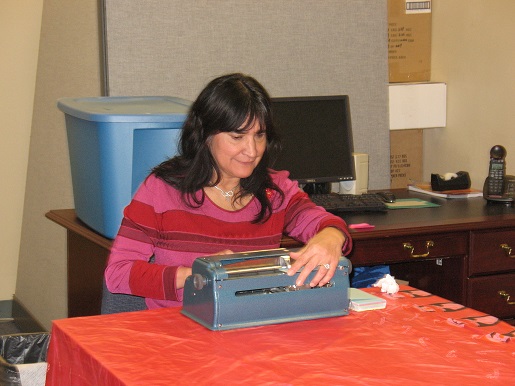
(466, 263)
(419, 339)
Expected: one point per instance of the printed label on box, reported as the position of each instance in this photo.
(409, 41)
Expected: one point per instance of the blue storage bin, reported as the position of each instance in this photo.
(113, 143)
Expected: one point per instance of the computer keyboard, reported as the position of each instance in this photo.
(338, 203)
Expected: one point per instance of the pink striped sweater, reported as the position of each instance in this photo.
(157, 223)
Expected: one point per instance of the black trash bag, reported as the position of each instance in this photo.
(20, 349)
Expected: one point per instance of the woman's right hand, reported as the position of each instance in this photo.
(181, 275)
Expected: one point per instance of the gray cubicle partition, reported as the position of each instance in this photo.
(295, 48)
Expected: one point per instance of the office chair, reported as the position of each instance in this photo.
(115, 303)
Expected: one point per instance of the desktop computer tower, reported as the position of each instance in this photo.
(360, 184)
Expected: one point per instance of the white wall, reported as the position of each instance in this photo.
(473, 51)
(20, 24)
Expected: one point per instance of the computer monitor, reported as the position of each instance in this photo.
(316, 136)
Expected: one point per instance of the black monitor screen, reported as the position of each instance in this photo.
(316, 137)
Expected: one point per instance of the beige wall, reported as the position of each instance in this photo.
(68, 65)
(473, 51)
(20, 24)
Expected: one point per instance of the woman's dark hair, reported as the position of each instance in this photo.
(226, 104)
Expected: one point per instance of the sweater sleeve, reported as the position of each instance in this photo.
(129, 269)
(304, 219)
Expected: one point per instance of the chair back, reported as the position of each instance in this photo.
(115, 303)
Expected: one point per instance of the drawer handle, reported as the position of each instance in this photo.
(507, 250)
(506, 295)
(429, 244)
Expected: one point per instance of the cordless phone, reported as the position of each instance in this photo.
(498, 186)
(496, 171)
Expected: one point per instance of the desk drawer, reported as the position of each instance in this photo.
(408, 248)
(487, 252)
(483, 295)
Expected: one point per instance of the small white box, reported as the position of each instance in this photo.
(417, 105)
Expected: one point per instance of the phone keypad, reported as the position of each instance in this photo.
(496, 174)
(495, 187)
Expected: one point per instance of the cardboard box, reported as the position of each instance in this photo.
(409, 40)
(417, 105)
(406, 157)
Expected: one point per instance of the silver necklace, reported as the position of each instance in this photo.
(227, 195)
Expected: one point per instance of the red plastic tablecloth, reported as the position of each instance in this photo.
(418, 339)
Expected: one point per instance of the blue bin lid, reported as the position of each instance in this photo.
(126, 109)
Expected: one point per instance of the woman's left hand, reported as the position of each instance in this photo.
(323, 251)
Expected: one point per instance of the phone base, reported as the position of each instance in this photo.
(508, 191)
(500, 201)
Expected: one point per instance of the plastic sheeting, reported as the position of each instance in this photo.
(417, 339)
(22, 359)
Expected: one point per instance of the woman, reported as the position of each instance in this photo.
(218, 196)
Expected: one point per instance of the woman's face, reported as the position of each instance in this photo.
(238, 153)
